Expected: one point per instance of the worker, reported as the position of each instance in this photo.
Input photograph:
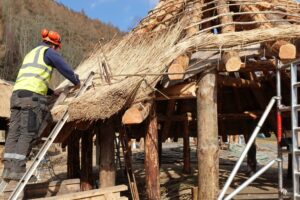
(29, 101)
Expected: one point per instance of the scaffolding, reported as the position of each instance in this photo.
(294, 108)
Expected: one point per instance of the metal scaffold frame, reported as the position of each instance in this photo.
(294, 108)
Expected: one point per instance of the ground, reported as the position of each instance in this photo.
(175, 184)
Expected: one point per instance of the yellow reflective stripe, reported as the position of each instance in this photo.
(36, 65)
(33, 75)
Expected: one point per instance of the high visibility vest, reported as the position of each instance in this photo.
(34, 74)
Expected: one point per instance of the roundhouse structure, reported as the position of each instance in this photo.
(197, 68)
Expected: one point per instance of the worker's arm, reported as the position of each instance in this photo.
(55, 60)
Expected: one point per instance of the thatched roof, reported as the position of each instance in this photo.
(5, 94)
(176, 27)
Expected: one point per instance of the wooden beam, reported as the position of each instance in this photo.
(86, 160)
(281, 48)
(230, 59)
(208, 147)
(180, 64)
(175, 118)
(107, 172)
(136, 114)
(151, 157)
(237, 82)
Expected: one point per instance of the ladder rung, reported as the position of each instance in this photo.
(296, 107)
(297, 84)
(297, 173)
(285, 108)
(296, 129)
(297, 151)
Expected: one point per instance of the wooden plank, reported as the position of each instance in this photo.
(237, 82)
(151, 157)
(47, 189)
(207, 147)
(89, 194)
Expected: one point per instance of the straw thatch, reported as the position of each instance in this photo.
(137, 60)
(5, 94)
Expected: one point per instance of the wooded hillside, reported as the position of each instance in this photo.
(21, 22)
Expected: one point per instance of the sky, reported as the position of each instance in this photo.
(124, 14)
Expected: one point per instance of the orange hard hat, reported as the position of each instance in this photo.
(51, 36)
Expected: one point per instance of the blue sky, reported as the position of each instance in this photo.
(121, 13)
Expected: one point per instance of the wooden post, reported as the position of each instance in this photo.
(73, 166)
(207, 148)
(151, 157)
(107, 172)
(186, 147)
(86, 160)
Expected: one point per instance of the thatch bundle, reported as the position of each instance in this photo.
(174, 28)
(5, 94)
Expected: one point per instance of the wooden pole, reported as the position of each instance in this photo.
(73, 163)
(151, 157)
(86, 160)
(107, 172)
(186, 148)
(207, 148)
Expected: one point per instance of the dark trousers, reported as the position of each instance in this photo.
(28, 109)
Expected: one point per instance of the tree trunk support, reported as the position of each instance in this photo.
(186, 147)
(86, 160)
(151, 157)
(107, 172)
(207, 148)
(73, 166)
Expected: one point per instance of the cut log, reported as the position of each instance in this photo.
(180, 91)
(151, 157)
(179, 65)
(232, 61)
(136, 114)
(283, 49)
(208, 147)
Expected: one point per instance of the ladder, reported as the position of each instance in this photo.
(128, 166)
(50, 139)
(295, 130)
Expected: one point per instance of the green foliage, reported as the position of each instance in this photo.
(21, 22)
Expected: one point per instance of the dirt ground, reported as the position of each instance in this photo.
(177, 185)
